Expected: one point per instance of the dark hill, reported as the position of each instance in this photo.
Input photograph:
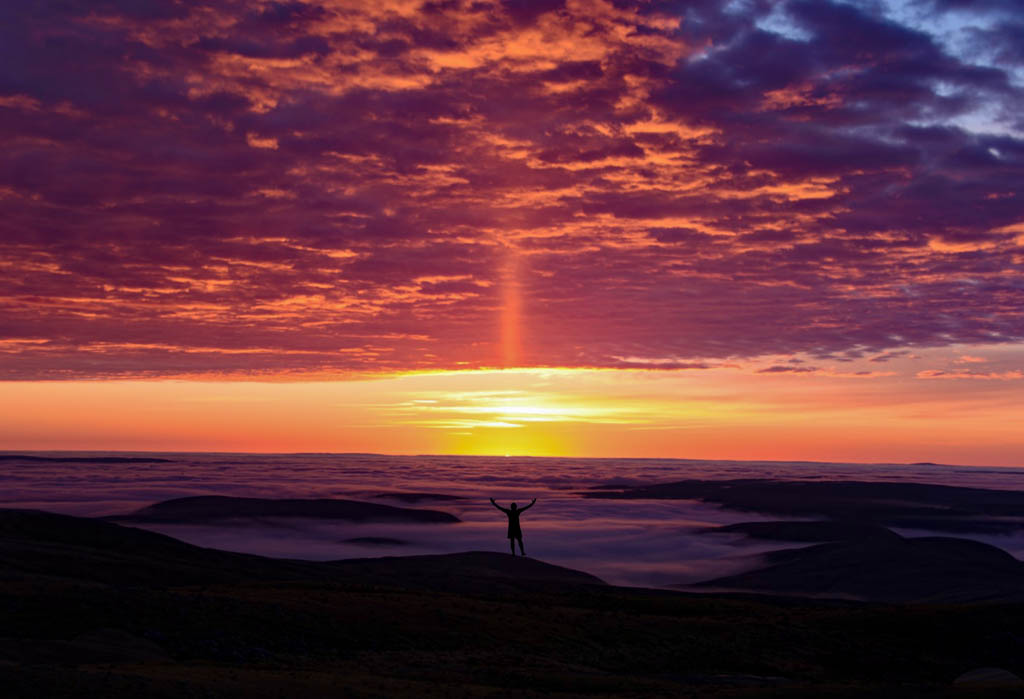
(43, 544)
(67, 635)
(469, 571)
(205, 508)
(36, 545)
(888, 569)
(910, 505)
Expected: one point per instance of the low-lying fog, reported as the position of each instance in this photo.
(625, 542)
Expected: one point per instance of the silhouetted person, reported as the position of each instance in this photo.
(514, 532)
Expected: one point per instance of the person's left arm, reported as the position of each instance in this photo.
(532, 503)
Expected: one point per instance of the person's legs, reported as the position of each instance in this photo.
(512, 545)
(520, 547)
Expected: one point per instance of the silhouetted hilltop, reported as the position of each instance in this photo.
(94, 609)
(36, 544)
(469, 571)
(205, 508)
(910, 505)
(888, 569)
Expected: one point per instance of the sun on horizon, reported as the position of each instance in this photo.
(735, 230)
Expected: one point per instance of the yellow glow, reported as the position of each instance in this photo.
(731, 412)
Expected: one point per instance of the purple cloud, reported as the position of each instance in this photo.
(294, 187)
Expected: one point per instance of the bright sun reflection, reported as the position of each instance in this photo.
(508, 409)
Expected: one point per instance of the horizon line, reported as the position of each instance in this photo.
(15, 452)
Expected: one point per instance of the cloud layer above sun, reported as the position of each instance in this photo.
(283, 188)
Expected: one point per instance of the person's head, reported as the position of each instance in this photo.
(513, 506)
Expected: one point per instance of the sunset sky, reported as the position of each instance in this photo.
(743, 229)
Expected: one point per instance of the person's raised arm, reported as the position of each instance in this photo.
(532, 503)
(498, 506)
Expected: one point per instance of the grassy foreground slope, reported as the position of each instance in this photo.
(117, 621)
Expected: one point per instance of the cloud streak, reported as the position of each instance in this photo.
(275, 189)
